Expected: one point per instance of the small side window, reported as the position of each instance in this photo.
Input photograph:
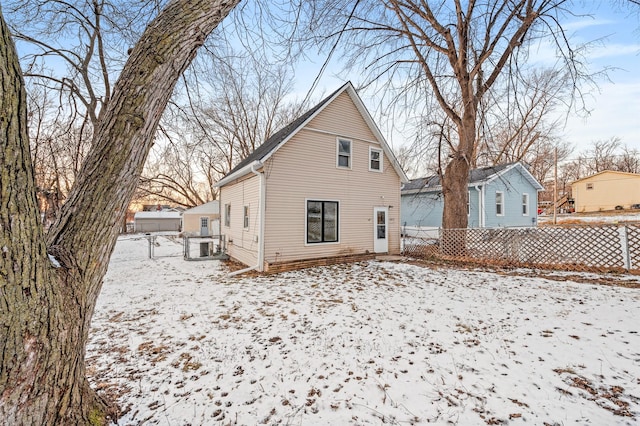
(499, 203)
(227, 215)
(245, 215)
(525, 204)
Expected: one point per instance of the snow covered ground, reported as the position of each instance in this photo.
(180, 343)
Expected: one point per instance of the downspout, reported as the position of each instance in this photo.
(480, 190)
(261, 210)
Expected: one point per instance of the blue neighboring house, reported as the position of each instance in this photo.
(505, 195)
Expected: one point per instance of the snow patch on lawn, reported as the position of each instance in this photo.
(179, 342)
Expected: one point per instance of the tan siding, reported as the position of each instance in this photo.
(610, 189)
(305, 168)
(191, 222)
(342, 118)
(242, 243)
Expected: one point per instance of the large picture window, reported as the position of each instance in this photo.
(322, 221)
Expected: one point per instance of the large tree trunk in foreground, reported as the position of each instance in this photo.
(46, 309)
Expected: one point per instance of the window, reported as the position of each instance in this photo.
(227, 215)
(525, 204)
(204, 222)
(589, 186)
(499, 203)
(468, 203)
(375, 159)
(322, 221)
(344, 153)
(245, 215)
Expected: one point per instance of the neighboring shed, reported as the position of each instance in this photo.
(324, 189)
(157, 221)
(202, 220)
(502, 195)
(605, 191)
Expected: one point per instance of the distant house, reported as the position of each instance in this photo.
(157, 221)
(323, 189)
(502, 195)
(605, 191)
(202, 220)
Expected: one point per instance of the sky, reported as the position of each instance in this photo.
(613, 104)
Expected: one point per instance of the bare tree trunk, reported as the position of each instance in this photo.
(46, 310)
(455, 187)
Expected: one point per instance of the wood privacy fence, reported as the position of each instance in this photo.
(602, 247)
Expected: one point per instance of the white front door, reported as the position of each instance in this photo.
(380, 233)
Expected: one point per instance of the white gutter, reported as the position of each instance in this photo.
(242, 271)
(261, 212)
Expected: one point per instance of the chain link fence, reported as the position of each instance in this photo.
(197, 247)
(588, 247)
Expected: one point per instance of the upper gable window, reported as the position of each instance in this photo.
(375, 159)
(344, 153)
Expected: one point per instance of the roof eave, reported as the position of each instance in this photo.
(238, 174)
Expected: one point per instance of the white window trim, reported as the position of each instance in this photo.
(227, 215)
(380, 159)
(525, 204)
(306, 200)
(501, 204)
(246, 217)
(338, 139)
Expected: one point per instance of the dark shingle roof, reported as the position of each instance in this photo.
(475, 176)
(282, 134)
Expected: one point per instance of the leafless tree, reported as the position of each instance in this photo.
(453, 51)
(47, 304)
(233, 101)
(72, 52)
(610, 154)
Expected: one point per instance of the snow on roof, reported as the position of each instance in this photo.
(157, 215)
(212, 207)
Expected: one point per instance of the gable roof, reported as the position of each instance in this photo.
(282, 136)
(212, 207)
(478, 176)
(630, 175)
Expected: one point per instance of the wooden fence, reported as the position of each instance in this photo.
(589, 247)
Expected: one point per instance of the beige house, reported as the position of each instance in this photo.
(202, 220)
(323, 189)
(605, 191)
